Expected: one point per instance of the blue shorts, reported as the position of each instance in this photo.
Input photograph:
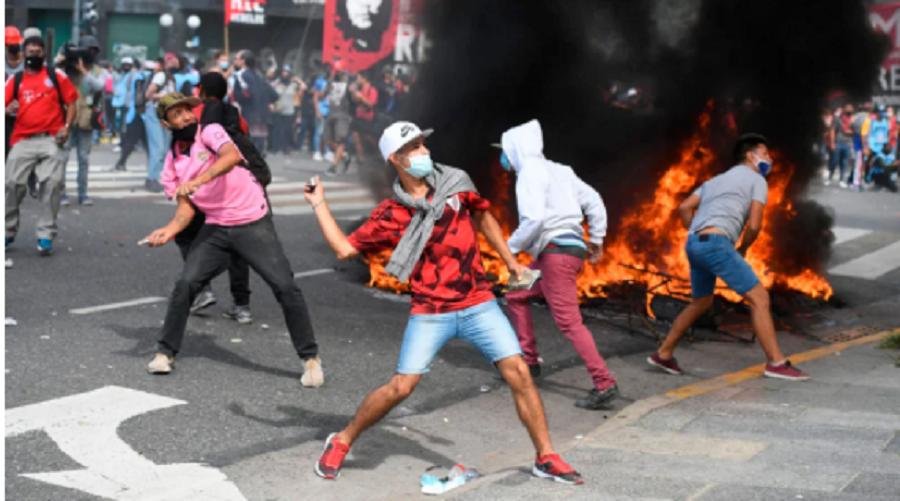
(484, 326)
(714, 256)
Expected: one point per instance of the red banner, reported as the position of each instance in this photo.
(245, 11)
(885, 18)
(359, 33)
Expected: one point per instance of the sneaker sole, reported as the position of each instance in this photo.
(663, 367)
(202, 306)
(537, 472)
(775, 375)
(324, 448)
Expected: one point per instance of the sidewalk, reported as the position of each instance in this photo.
(836, 437)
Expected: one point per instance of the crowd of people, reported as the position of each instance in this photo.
(859, 144)
(206, 129)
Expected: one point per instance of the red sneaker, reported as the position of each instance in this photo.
(329, 465)
(553, 466)
(670, 365)
(785, 371)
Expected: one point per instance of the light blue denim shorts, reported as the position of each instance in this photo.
(484, 326)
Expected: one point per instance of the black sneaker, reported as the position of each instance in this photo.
(598, 399)
(535, 370)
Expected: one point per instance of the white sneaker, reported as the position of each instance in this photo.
(313, 377)
(828, 182)
(161, 364)
(318, 157)
(843, 184)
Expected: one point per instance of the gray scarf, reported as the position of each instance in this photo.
(446, 182)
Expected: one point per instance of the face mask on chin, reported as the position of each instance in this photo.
(186, 133)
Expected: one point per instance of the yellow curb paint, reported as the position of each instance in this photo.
(641, 408)
(755, 371)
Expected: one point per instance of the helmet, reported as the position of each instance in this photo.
(13, 37)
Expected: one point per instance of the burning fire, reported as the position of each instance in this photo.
(648, 247)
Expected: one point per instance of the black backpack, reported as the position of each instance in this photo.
(226, 115)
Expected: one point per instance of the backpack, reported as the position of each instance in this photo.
(51, 73)
(226, 115)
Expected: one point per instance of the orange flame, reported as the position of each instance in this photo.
(648, 247)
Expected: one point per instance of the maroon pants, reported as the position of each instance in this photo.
(557, 286)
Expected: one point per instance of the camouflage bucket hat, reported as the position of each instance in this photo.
(171, 100)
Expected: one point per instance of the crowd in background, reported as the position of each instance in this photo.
(859, 145)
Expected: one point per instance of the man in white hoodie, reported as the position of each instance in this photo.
(553, 203)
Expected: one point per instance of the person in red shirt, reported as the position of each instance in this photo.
(45, 115)
(431, 224)
(365, 95)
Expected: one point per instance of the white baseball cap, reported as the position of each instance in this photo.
(128, 60)
(397, 135)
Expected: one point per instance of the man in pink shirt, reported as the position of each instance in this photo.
(200, 174)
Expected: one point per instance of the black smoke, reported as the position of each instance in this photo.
(771, 64)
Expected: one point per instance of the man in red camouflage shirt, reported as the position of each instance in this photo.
(431, 226)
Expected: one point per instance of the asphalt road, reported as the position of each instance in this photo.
(234, 403)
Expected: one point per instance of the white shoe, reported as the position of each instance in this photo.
(313, 377)
(828, 182)
(329, 157)
(161, 364)
(318, 157)
(843, 184)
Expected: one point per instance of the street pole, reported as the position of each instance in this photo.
(226, 41)
(76, 22)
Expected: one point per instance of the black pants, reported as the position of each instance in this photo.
(211, 253)
(10, 123)
(238, 269)
(134, 132)
(280, 133)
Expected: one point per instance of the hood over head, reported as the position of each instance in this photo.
(523, 142)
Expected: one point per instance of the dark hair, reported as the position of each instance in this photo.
(34, 41)
(214, 85)
(249, 59)
(746, 143)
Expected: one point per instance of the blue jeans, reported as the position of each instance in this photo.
(842, 155)
(484, 326)
(714, 256)
(158, 140)
(80, 140)
(317, 135)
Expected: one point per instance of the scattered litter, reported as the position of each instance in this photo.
(109, 367)
(579, 437)
(799, 496)
(9, 263)
(69, 249)
(485, 388)
(404, 428)
(457, 476)
(371, 354)
(82, 366)
(11, 321)
(837, 353)
(53, 313)
(236, 340)
(208, 323)
(265, 326)
(45, 337)
(446, 420)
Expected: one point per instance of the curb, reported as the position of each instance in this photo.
(641, 408)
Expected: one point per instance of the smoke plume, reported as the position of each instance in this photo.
(769, 66)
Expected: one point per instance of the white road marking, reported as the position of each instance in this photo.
(116, 306)
(84, 428)
(842, 235)
(872, 265)
(312, 273)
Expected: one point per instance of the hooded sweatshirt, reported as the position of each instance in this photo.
(552, 201)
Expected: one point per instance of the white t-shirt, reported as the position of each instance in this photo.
(159, 79)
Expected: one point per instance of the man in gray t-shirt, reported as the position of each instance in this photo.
(725, 200)
(716, 215)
